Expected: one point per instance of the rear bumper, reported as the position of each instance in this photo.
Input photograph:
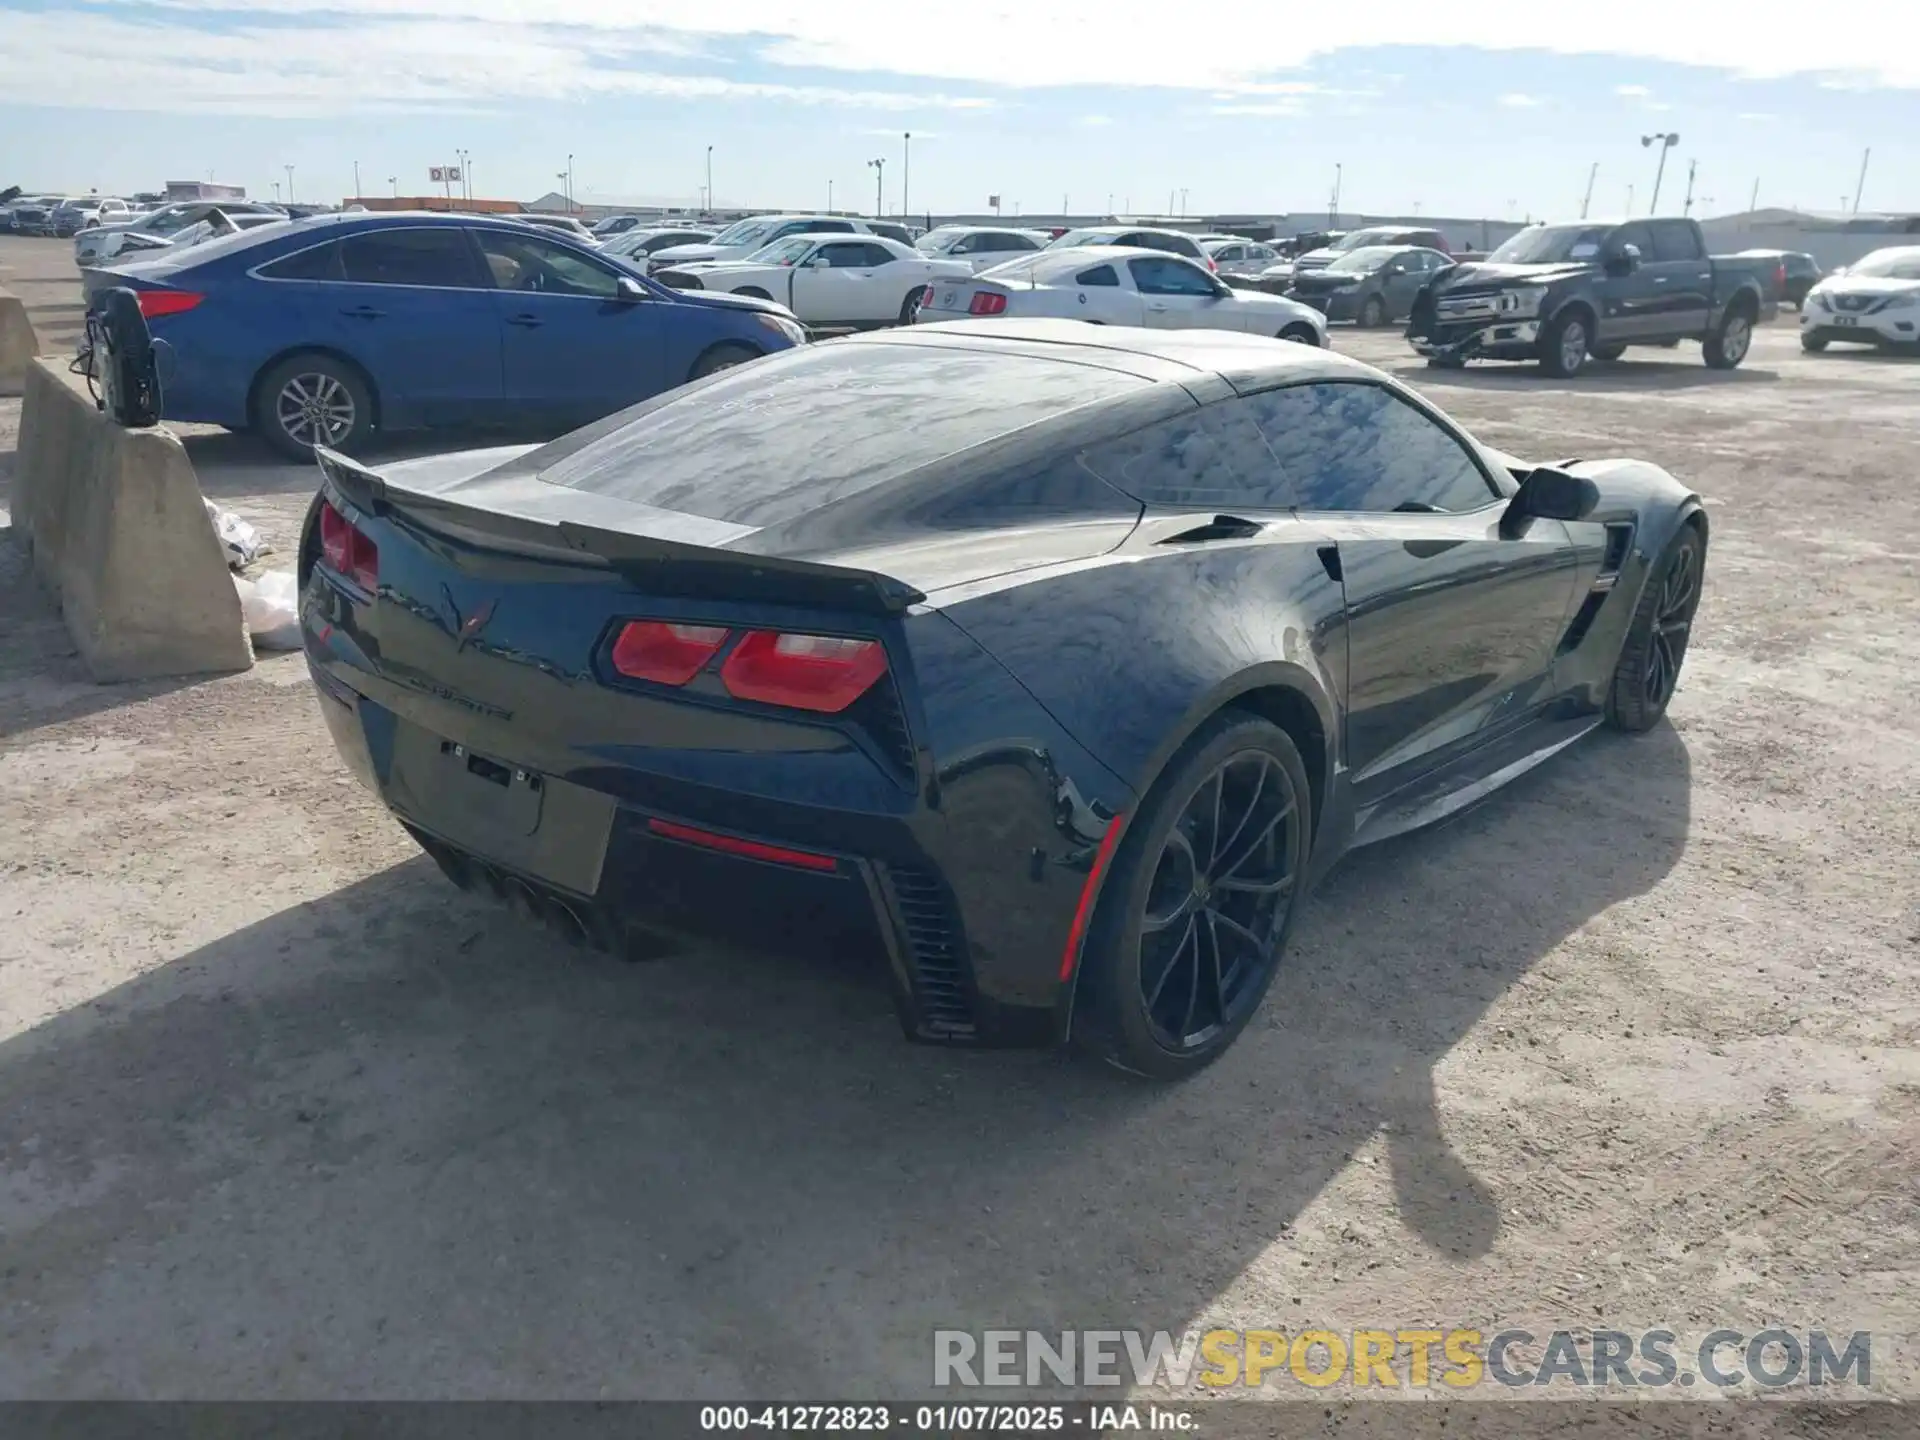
(960, 897)
(1507, 340)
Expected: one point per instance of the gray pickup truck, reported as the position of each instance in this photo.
(1567, 294)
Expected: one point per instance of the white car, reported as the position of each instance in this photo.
(834, 279)
(1876, 302)
(756, 232)
(1140, 237)
(1110, 285)
(1241, 256)
(103, 242)
(982, 247)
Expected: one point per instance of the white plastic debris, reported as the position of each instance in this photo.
(239, 539)
(271, 608)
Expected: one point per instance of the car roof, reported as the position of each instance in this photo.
(1244, 361)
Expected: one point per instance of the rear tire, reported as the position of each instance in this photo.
(313, 399)
(1813, 344)
(1301, 335)
(1648, 670)
(722, 357)
(1373, 314)
(1727, 346)
(910, 307)
(1194, 916)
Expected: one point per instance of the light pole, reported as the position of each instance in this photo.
(1333, 215)
(829, 197)
(1686, 206)
(906, 169)
(394, 181)
(466, 184)
(289, 184)
(879, 176)
(356, 179)
(1861, 183)
(1587, 199)
(569, 183)
(1666, 141)
(276, 192)
(709, 177)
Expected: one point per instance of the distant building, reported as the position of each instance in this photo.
(1832, 237)
(474, 206)
(204, 190)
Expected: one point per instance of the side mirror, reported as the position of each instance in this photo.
(628, 288)
(1549, 494)
(818, 262)
(1624, 261)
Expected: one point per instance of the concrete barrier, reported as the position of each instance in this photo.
(119, 533)
(18, 344)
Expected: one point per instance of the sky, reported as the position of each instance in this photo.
(1497, 110)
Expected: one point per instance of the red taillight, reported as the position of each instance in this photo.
(346, 550)
(155, 303)
(1083, 912)
(926, 296)
(1780, 276)
(826, 673)
(735, 845)
(664, 652)
(1211, 266)
(988, 302)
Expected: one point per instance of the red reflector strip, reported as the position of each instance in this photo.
(1083, 912)
(734, 845)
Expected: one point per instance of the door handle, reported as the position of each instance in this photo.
(1156, 307)
(1660, 279)
(364, 312)
(531, 322)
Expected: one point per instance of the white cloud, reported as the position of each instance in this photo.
(1755, 115)
(1517, 101)
(1093, 122)
(304, 56)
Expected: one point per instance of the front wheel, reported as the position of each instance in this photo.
(309, 400)
(1648, 670)
(1194, 917)
(1813, 344)
(1373, 314)
(1727, 346)
(1301, 335)
(722, 357)
(1564, 345)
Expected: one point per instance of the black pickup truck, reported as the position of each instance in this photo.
(1564, 294)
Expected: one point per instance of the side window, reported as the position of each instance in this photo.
(968, 245)
(1633, 234)
(1099, 275)
(529, 264)
(440, 256)
(1675, 240)
(1230, 252)
(792, 227)
(1168, 277)
(879, 255)
(1359, 447)
(320, 262)
(845, 256)
(1260, 252)
(822, 227)
(1015, 242)
(1201, 460)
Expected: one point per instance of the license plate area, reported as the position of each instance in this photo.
(1845, 320)
(491, 791)
(520, 819)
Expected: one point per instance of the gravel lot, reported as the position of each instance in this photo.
(1635, 1043)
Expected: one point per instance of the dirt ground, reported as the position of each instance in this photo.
(1635, 1043)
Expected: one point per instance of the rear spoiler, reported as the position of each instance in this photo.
(675, 566)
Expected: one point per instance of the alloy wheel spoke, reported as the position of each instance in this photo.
(1217, 980)
(1253, 844)
(1253, 805)
(1282, 886)
(1173, 962)
(1220, 917)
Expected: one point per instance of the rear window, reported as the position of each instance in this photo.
(785, 436)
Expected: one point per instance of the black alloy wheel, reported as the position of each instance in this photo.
(1193, 920)
(1373, 314)
(1648, 670)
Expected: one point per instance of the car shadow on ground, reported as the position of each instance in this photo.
(1602, 378)
(391, 1142)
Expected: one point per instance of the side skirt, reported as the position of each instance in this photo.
(1471, 779)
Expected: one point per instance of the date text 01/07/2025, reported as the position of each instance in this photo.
(1084, 1418)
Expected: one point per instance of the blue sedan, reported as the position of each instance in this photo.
(327, 330)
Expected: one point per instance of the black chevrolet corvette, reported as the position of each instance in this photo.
(1050, 664)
